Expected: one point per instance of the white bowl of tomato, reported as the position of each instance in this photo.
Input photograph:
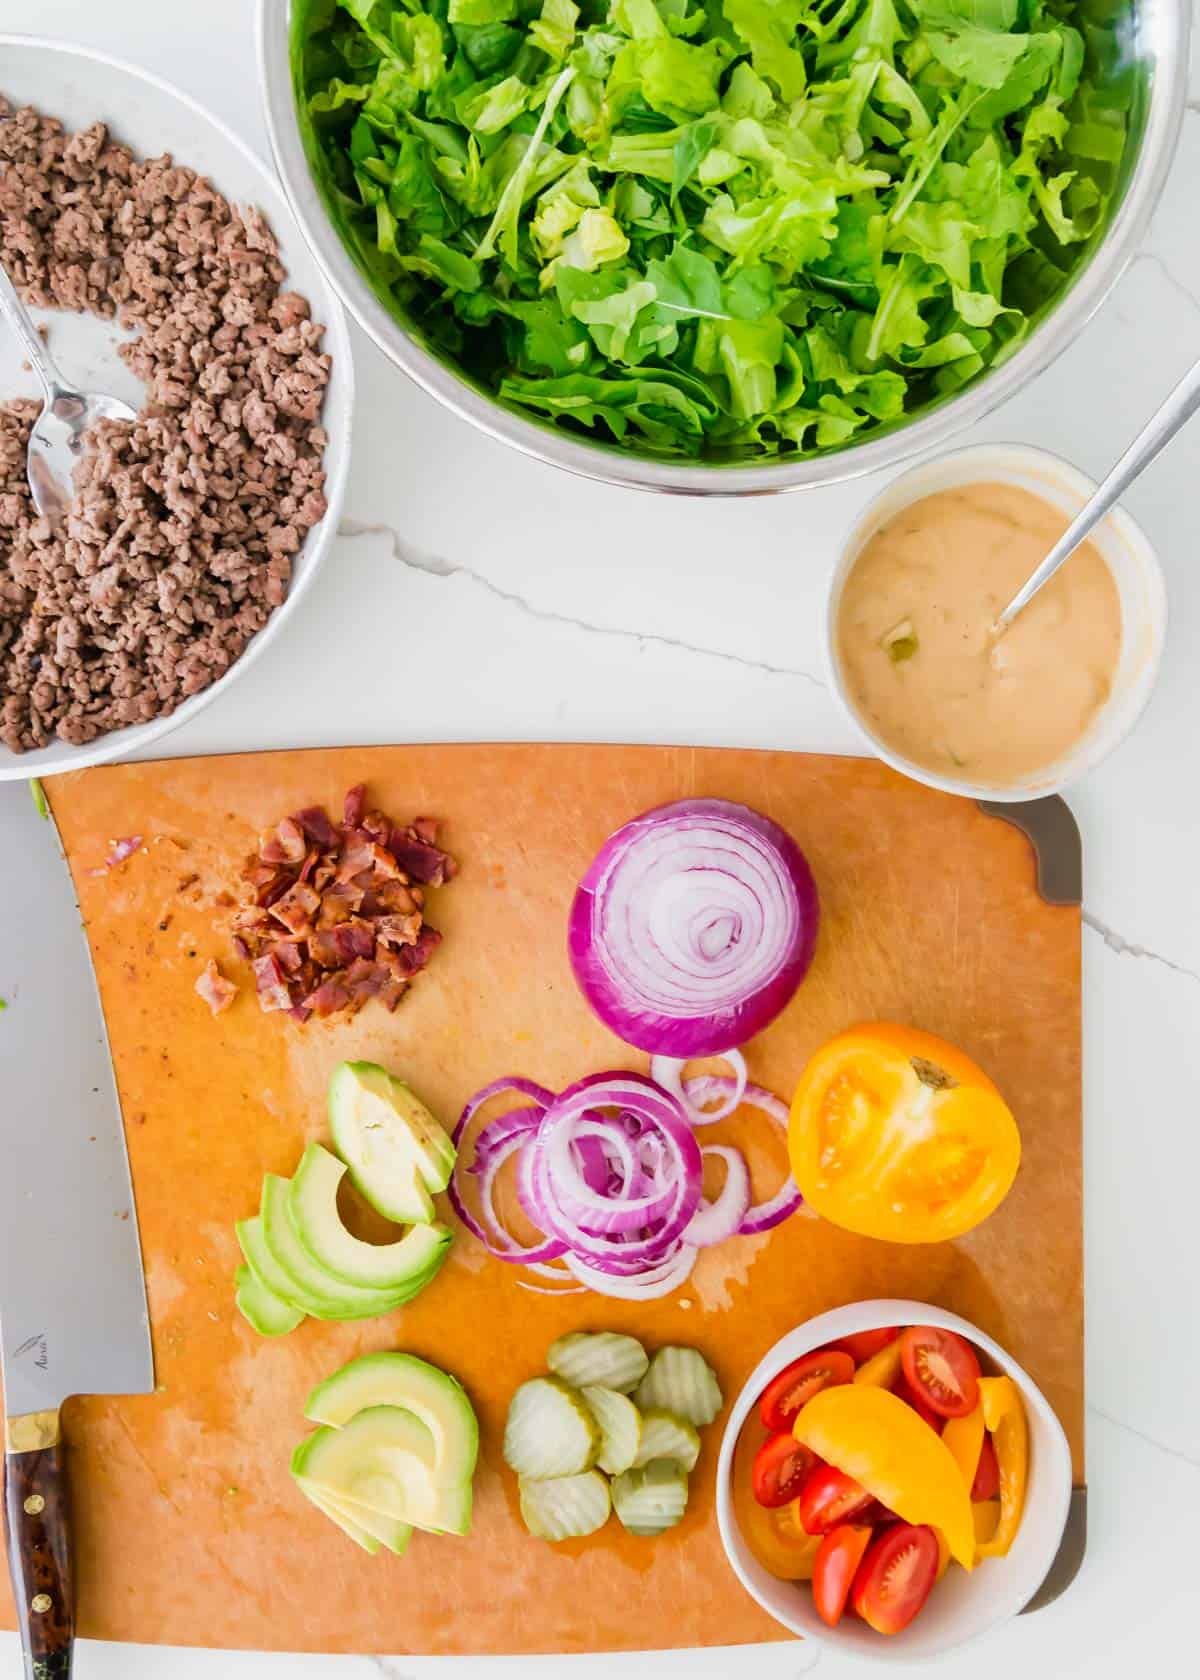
(892, 1482)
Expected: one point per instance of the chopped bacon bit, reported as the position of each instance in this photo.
(289, 954)
(296, 908)
(217, 992)
(122, 849)
(339, 902)
(419, 860)
(329, 997)
(283, 844)
(398, 930)
(269, 983)
(334, 915)
(355, 858)
(317, 826)
(354, 806)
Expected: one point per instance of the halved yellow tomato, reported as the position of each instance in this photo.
(897, 1134)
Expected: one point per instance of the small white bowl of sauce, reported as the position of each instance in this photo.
(909, 631)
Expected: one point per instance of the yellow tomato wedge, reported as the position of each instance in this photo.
(882, 1443)
(882, 1369)
(777, 1537)
(964, 1437)
(943, 1554)
(1004, 1414)
(778, 1541)
(986, 1513)
(897, 1134)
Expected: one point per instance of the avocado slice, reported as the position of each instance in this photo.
(329, 1507)
(401, 1379)
(253, 1243)
(364, 1526)
(272, 1241)
(313, 1210)
(263, 1310)
(384, 1459)
(397, 1153)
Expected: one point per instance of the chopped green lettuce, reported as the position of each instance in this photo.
(716, 229)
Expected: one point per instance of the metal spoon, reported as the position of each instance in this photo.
(57, 440)
(1179, 407)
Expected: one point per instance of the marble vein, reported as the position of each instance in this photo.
(1126, 947)
(1176, 284)
(433, 565)
(388, 1669)
(1149, 1440)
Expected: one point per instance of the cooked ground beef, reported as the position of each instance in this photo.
(179, 542)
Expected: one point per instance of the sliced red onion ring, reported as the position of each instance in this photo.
(612, 1174)
(667, 1071)
(488, 1227)
(652, 1283)
(523, 1088)
(565, 1207)
(787, 1199)
(498, 1140)
(558, 1275)
(498, 1134)
(714, 1221)
(693, 927)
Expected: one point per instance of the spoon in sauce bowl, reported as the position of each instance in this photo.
(1175, 412)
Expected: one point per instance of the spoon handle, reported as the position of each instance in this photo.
(20, 320)
(1158, 431)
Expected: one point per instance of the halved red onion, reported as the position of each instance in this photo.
(714, 1221)
(637, 1229)
(787, 1199)
(667, 1071)
(693, 927)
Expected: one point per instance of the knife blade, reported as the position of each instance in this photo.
(73, 1317)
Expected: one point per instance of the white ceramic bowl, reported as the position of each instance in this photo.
(80, 87)
(1124, 547)
(961, 1606)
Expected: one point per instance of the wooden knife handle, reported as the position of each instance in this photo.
(39, 1550)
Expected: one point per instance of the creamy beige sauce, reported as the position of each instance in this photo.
(918, 649)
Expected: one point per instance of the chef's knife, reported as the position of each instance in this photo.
(72, 1294)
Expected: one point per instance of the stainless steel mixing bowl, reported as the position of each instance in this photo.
(1154, 36)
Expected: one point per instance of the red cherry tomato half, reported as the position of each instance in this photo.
(987, 1473)
(798, 1382)
(864, 1344)
(835, 1567)
(780, 1467)
(830, 1497)
(896, 1576)
(904, 1391)
(941, 1368)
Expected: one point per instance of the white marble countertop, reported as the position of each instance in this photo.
(578, 612)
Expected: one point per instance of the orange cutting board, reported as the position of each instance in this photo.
(189, 1530)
